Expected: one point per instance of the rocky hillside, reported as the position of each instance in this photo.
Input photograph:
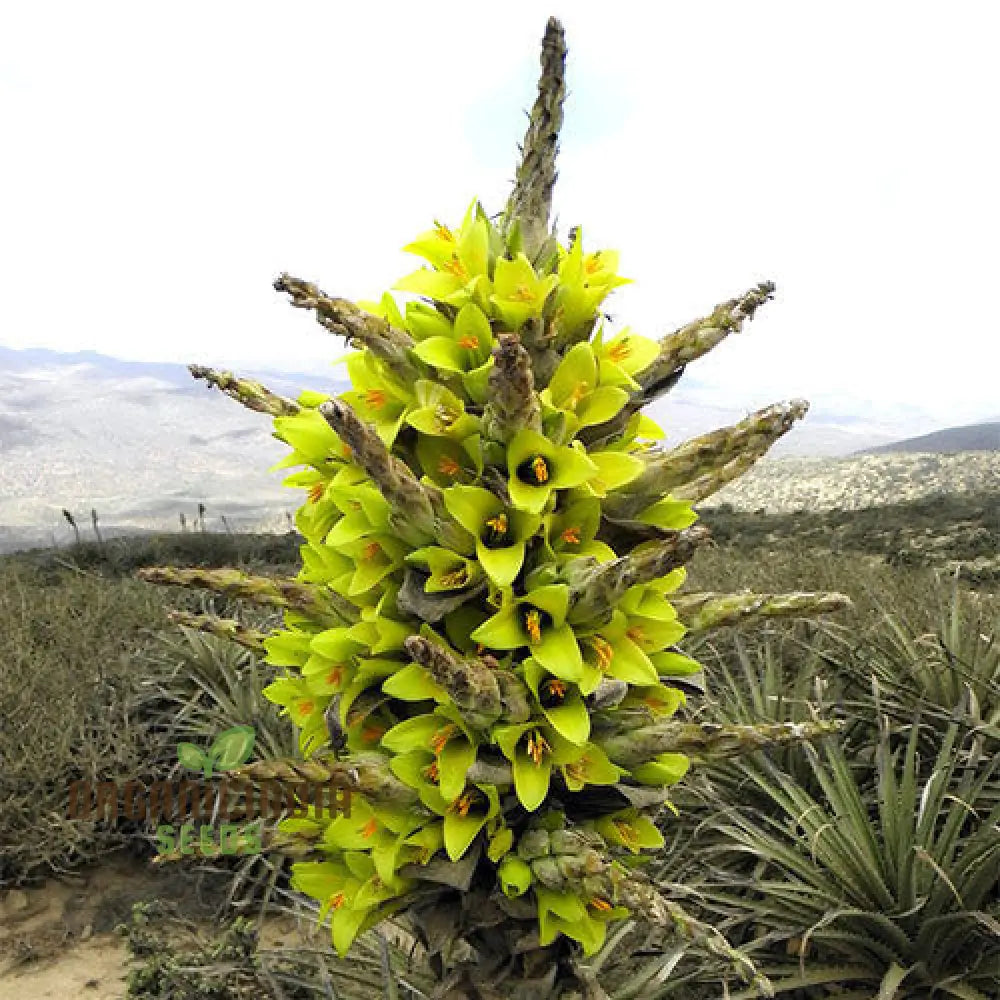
(785, 485)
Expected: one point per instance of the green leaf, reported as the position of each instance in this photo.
(501, 565)
(233, 747)
(454, 761)
(192, 757)
(601, 405)
(559, 653)
(500, 843)
(531, 780)
(571, 720)
(413, 683)
(669, 515)
(502, 631)
(460, 832)
(441, 352)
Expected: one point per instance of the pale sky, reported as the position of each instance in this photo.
(163, 162)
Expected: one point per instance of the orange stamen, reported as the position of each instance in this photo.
(605, 654)
(627, 832)
(336, 676)
(442, 736)
(443, 233)
(462, 805)
(336, 901)
(498, 524)
(571, 536)
(537, 748)
(600, 904)
(469, 342)
(316, 492)
(593, 263)
(371, 550)
(305, 707)
(533, 625)
(372, 733)
(376, 398)
(556, 688)
(456, 578)
(621, 350)
(431, 772)
(447, 466)
(456, 267)
(540, 469)
(370, 828)
(523, 294)
(636, 634)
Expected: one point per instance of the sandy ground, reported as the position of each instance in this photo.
(58, 940)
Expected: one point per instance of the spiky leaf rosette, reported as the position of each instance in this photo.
(492, 539)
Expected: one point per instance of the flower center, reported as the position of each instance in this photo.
(620, 351)
(523, 294)
(463, 804)
(431, 772)
(441, 737)
(443, 233)
(371, 550)
(553, 693)
(537, 748)
(372, 733)
(600, 904)
(316, 492)
(456, 267)
(627, 832)
(456, 578)
(370, 828)
(533, 625)
(336, 676)
(469, 342)
(497, 533)
(571, 536)
(534, 471)
(605, 654)
(336, 901)
(375, 398)
(445, 416)
(447, 466)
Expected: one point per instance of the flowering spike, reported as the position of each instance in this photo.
(277, 592)
(511, 402)
(531, 200)
(223, 628)
(251, 394)
(596, 594)
(704, 611)
(705, 455)
(345, 319)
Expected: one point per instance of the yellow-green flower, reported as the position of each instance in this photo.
(461, 261)
(519, 294)
(501, 533)
(537, 622)
(575, 390)
(536, 467)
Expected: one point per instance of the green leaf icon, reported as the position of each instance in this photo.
(191, 757)
(233, 747)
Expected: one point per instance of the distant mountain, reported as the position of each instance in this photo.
(972, 437)
(144, 442)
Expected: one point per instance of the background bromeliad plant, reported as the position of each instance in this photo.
(483, 635)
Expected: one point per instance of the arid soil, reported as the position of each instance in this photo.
(58, 940)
